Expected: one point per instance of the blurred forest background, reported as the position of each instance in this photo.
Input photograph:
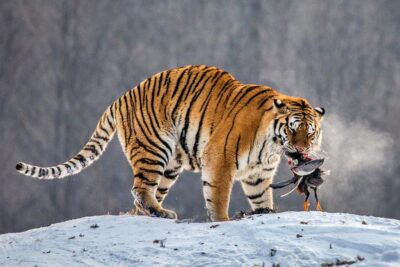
(62, 62)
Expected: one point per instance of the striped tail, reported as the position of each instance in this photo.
(102, 135)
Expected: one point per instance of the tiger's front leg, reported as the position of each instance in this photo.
(217, 188)
(258, 193)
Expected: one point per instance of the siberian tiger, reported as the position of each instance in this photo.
(198, 118)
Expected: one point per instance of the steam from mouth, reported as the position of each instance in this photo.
(360, 158)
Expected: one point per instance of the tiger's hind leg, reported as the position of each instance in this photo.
(169, 178)
(148, 167)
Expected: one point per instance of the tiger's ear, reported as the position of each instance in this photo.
(280, 106)
(320, 111)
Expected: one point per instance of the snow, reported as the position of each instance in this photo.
(288, 239)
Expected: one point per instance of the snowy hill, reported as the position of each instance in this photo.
(288, 239)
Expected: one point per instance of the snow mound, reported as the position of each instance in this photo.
(288, 239)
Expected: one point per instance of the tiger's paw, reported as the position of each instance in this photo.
(163, 213)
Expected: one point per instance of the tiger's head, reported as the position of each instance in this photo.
(297, 124)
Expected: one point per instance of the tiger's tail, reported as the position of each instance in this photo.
(93, 149)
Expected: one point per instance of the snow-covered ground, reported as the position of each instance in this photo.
(288, 239)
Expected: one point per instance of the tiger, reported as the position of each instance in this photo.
(202, 119)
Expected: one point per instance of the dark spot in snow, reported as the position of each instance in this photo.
(175, 249)
(299, 235)
(84, 250)
(201, 243)
(272, 252)
(276, 265)
(364, 222)
(161, 242)
(359, 258)
(203, 253)
(46, 252)
(81, 235)
(330, 246)
(94, 226)
(184, 221)
(339, 263)
(302, 222)
(236, 245)
(71, 237)
(214, 226)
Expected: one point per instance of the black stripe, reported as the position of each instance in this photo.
(171, 177)
(68, 167)
(128, 115)
(122, 117)
(109, 123)
(245, 92)
(237, 152)
(152, 103)
(132, 100)
(268, 169)
(141, 176)
(151, 171)
(260, 154)
(179, 81)
(262, 102)
(151, 162)
(258, 202)
(205, 183)
(81, 159)
(33, 170)
(254, 96)
(178, 101)
(73, 163)
(97, 136)
(103, 129)
(59, 171)
(162, 190)
(256, 195)
(91, 148)
(159, 83)
(222, 92)
(140, 105)
(97, 142)
(150, 183)
(254, 183)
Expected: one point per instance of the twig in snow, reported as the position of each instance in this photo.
(161, 242)
(94, 226)
(272, 252)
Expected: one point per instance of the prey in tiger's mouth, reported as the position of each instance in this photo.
(307, 175)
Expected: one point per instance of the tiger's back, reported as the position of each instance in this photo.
(198, 118)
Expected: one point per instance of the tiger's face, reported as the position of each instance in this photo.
(298, 125)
